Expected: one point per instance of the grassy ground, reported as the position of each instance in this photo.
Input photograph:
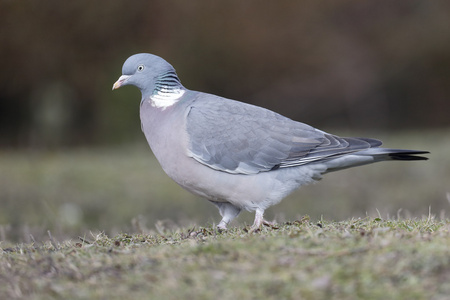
(49, 199)
(73, 192)
(355, 259)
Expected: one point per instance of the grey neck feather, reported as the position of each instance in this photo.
(168, 90)
(167, 83)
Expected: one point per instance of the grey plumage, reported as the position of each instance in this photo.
(237, 155)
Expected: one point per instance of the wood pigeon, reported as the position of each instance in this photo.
(237, 155)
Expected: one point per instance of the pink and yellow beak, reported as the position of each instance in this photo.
(121, 81)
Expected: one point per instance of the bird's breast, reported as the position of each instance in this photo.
(165, 131)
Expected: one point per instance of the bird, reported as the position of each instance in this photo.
(237, 155)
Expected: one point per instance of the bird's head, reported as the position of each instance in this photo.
(148, 72)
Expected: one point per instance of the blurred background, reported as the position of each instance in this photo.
(73, 158)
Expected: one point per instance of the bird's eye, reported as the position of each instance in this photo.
(140, 68)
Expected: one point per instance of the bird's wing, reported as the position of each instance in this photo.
(240, 138)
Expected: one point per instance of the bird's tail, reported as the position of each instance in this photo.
(372, 155)
(380, 154)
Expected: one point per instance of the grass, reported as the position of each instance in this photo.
(64, 213)
(73, 192)
(366, 258)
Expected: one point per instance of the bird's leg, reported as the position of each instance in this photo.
(223, 224)
(228, 212)
(259, 220)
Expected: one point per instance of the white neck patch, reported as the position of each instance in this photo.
(166, 97)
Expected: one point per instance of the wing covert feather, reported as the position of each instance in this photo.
(240, 138)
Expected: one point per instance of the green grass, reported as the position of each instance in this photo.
(354, 259)
(393, 244)
(73, 192)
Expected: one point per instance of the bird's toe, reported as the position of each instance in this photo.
(272, 225)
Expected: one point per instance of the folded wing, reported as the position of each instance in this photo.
(239, 138)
